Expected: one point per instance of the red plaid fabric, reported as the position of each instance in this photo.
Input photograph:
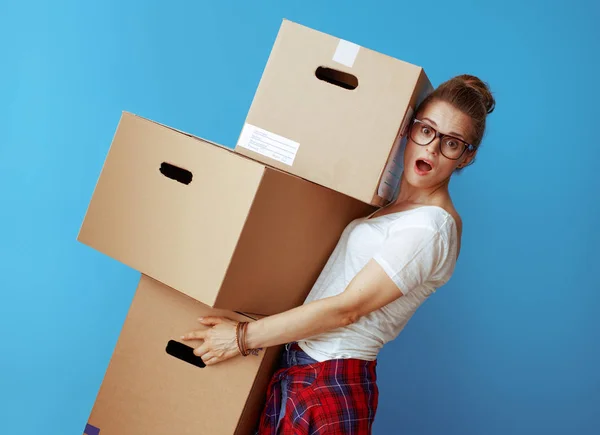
(335, 397)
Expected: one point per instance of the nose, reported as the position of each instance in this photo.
(434, 146)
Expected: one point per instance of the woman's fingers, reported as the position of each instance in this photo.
(207, 357)
(201, 351)
(211, 358)
(210, 361)
(195, 335)
(210, 320)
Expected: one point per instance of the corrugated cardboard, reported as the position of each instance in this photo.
(148, 391)
(224, 229)
(303, 123)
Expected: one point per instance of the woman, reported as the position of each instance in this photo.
(382, 269)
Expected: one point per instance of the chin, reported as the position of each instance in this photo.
(416, 180)
(424, 182)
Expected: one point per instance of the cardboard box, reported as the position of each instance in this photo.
(149, 390)
(222, 228)
(333, 113)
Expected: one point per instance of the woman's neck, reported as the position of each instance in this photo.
(435, 195)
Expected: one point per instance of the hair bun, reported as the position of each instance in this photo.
(482, 88)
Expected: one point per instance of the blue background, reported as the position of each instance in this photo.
(509, 346)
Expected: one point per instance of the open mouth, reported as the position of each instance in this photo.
(423, 166)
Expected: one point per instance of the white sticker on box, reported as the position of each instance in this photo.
(268, 144)
(389, 185)
(346, 53)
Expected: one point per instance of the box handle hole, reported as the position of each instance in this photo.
(184, 353)
(337, 78)
(176, 173)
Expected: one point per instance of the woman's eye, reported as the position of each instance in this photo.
(425, 130)
(452, 143)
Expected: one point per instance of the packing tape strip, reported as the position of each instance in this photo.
(346, 53)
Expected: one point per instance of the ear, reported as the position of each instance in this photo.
(468, 160)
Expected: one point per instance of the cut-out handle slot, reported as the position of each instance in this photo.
(176, 173)
(184, 353)
(337, 78)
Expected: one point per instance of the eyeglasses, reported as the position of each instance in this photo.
(451, 147)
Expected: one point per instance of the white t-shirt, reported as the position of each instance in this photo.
(417, 249)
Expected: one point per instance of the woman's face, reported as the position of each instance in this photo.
(426, 166)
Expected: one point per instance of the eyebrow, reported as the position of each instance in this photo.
(458, 135)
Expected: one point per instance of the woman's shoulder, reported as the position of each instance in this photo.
(435, 221)
(452, 212)
(437, 217)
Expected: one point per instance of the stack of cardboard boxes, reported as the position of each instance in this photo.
(240, 233)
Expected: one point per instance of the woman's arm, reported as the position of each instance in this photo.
(411, 254)
(370, 289)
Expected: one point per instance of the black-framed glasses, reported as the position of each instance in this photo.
(451, 147)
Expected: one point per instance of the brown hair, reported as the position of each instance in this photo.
(471, 96)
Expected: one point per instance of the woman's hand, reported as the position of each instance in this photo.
(219, 340)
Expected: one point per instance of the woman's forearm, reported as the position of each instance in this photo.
(298, 323)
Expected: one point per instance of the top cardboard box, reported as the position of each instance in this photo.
(222, 228)
(333, 113)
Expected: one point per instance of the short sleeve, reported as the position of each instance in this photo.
(410, 256)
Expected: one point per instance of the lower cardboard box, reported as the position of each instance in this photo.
(154, 385)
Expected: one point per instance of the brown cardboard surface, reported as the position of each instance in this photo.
(147, 391)
(289, 234)
(344, 136)
(240, 235)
